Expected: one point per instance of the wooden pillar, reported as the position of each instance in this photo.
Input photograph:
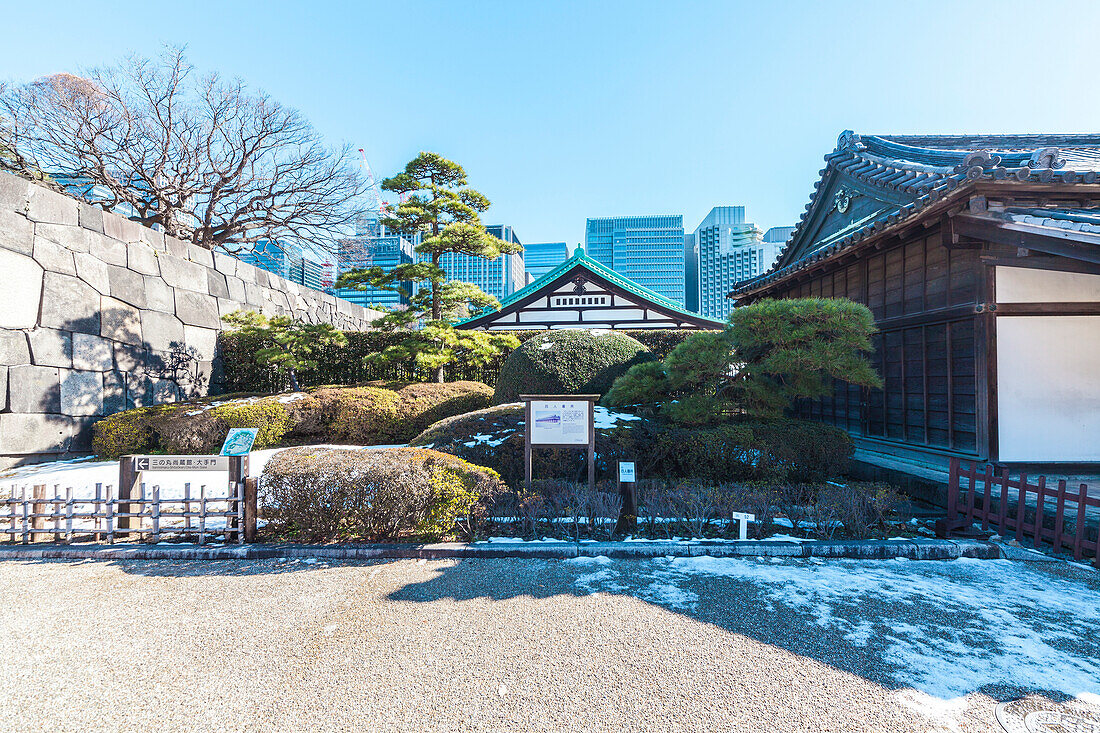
(127, 480)
(238, 472)
(251, 510)
(38, 508)
(527, 425)
(591, 445)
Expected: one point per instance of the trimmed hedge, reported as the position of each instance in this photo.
(375, 414)
(345, 365)
(321, 494)
(571, 361)
(779, 450)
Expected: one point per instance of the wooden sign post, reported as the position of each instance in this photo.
(560, 421)
(626, 480)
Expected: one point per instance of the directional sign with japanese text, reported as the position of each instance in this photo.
(181, 463)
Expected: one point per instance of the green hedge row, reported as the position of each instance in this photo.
(345, 365)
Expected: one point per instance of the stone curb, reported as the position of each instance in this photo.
(916, 549)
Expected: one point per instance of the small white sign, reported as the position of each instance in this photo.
(559, 422)
(181, 463)
(743, 519)
(626, 472)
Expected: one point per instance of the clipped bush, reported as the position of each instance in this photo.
(366, 415)
(321, 494)
(569, 361)
(779, 450)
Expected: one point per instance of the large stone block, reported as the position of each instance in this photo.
(16, 232)
(120, 322)
(159, 295)
(54, 257)
(91, 217)
(200, 255)
(14, 193)
(69, 304)
(176, 247)
(21, 293)
(3, 388)
(53, 208)
(13, 348)
(164, 390)
(82, 432)
(196, 309)
(203, 341)
(121, 228)
(152, 238)
(127, 286)
(139, 391)
(114, 393)
(107, 249)
(161, 330)
(130, 358)
(70, 237)
(253, 294)
(225, 264)
(93, 271)
(246, 272)
(183, 274)
(236, 288)
(25, 434)
(92, 353)
(51, 348)
(81, 393)
(217, 286)
(34, 389)
(142, 258)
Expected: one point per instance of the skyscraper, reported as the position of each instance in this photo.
(500, 277)
(368, 249)
(646, 249)
(729, 250)
(541, 258)
(285, 260)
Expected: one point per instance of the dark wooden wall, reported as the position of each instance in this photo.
(923, 297)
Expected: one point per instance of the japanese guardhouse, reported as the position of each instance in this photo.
(582, 293)
(979, 257)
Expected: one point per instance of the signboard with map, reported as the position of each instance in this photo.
(563, 422)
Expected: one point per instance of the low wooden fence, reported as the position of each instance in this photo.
(1031, 512)
(30, 513)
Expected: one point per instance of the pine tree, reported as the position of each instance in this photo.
(438, 205)
(289, 345)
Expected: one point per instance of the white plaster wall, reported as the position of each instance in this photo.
(1028, 285)
(1048, 387)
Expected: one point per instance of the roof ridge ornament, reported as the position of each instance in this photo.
(850, 141)
(1046, 158)
(977, 163)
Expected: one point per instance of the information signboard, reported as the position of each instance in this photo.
(626, 472)
(560, 422)
(238, 441)
(181, 463)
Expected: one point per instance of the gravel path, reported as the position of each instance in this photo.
(518, 645)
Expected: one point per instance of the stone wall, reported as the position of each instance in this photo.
(99, 314)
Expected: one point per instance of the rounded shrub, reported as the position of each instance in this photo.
(367, 415)
(569, 361)
(321, 494)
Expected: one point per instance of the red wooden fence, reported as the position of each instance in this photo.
(1041, 513)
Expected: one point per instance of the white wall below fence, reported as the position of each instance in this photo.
(1048, 388)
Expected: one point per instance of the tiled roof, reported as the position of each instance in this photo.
(925, 169)
(580, 258)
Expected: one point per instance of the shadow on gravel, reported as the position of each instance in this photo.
(942, 629)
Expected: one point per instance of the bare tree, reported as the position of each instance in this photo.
(203, 157)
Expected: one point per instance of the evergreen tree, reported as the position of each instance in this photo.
(772, 353)
(437, 204)
(290, 346)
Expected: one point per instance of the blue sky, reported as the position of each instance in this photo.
(563, 110)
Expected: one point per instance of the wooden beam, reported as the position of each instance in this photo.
(1062, 242)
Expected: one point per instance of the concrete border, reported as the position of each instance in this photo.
(915, 549)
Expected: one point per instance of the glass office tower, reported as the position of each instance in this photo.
(646, 249)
